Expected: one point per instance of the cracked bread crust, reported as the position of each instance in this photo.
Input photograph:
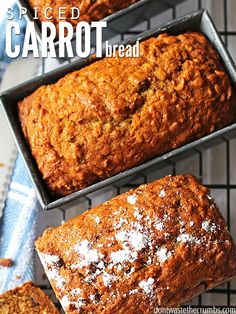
(119, 112)
(90, 10)
(157, 246)
(26, 299)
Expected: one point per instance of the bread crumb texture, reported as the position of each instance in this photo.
(119, 112)
(157, 246)
(26, 299)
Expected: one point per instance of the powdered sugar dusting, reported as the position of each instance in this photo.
(132, 270)
(97, 219)
(165, 217)
(92, 298)
(191, 223)
(132, 240)
(75, 292)
(137, 215)
(163, 254)
(147, 286)
(101, 265)
(162, 193)
(50, 259)
(124, 255)
(187, 238)
(208, 226)
(159, 225)
(88, 254)
(119, 267)
(81, 302)
(52, 268)
(108, 279)
(122, 222)
(136, 239)
(149, 261)
(121, 236)
(65, 302)
(131, 199)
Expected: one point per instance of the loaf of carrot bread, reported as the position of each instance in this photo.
(119, 112)
(90, 10)
(27, 299)
(157, 246)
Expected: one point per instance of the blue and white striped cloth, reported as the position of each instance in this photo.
(17, 226)
(18, 230)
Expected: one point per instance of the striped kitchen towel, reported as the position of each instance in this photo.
(18, 226)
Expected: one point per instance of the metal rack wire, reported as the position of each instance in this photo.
(214, 166)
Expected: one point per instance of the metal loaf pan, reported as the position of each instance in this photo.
(197, 21)
(117, 22)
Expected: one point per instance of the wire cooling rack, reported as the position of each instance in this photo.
(215, 167)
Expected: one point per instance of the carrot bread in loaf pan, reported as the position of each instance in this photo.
(119, 112)
(26, 299)
(90, 10)
(157, 246)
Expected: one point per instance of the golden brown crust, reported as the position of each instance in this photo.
(119, 112)
(26, 299)
(157, 246)
(90, 10)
